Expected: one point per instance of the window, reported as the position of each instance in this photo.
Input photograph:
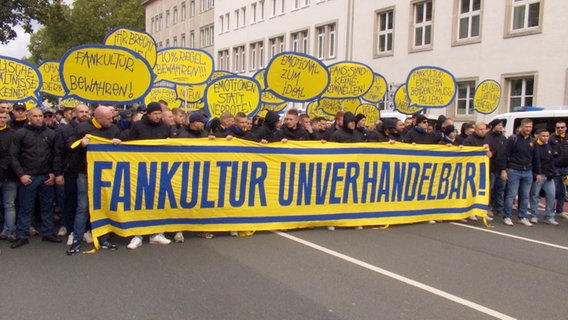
(274, 6)
(385, 30)
(464, 100)
(175, 18)
(326, 42)
(223, 60)
(206, 5)
(299, 41)
(175, 41)
(167, 18)
(167, 43)
(521, 92)
(192, 39)
(525, 14)
(469, 19)
(221, 25)
(152, 26)
(206, 36)
(161, 27)
(422, 26)
(282, 6)
(183, 12)
(237, 19)
(297, 4)
(261, 10)
(183, 40)
(253, 13)
(276, 45)
(243, 16)
(227, 24)
(306, 2)
(192, 8)
(239, 59)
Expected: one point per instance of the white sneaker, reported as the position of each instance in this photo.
(159, 238)
(207, 235)
(178, 238)
(473, 217)
(331, 228)
(88, 237)
(33, 232)
(526, 222)
(70, 239)
(508, 221)
(488, 218)
(563, 215)
(534, 220)
(234, 234)
(62, 232)
(136, 242)
(551, 221)
(359, 228)
(431, 221)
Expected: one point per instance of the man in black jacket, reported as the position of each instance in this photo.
(348, 133)
(419, 134)
(497, 163)
(291, 130)
(32, 161)
(100, 125)
(8, 181)
(544, 173)
(520, 149)
(559, 144)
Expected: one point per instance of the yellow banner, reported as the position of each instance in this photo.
(145, 187)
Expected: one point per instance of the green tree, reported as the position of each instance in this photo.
(19, 12)
(87, 22)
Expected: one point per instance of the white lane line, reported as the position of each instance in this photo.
(511, 236)
(398, 277)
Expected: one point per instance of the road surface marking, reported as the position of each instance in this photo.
(511, 236)
(398, 277)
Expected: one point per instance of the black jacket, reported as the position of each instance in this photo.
(474, 141)
(63, 157)
(419, 136)
(32, 150)
(144, 130)
(520, 152)
(559, 146)
(345, 134)
(545, 160)
(80, 131)
(298, 134)
(497, 142)
(188, 133)
(6, 172)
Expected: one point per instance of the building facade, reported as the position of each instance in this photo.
(518, 43)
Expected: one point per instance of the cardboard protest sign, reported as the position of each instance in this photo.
(105, 74)
(19, 80)
(183, 66)
(430, 87)
(267, 96)
(49, 71)
(377, 91)
(487, 96)
(135, 40)
(296, 77)
(332, 106)
(232, 94)
(314, 110)
(167, 94)
(402, 103)
(69, 103)
(371, 112)
(191, 93)
(348, 80)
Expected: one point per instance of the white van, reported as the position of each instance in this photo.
(541, 119)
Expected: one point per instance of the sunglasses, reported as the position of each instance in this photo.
(425, 121)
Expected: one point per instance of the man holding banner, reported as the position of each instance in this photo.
(101, 126)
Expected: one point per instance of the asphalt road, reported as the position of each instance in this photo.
(420, 271)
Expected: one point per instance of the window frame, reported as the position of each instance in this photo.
(378, 33)
(423, 25)
(456, 41)
(509, 18)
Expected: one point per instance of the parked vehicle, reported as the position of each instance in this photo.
(541, 119)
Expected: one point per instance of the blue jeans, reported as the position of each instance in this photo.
(9, 193)
(560, 188)
(519, 182)
(497, 192)
(27, 195)
(549, 190)
(82, 212)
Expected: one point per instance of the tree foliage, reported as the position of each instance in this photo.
(22, 13)
(86, 23)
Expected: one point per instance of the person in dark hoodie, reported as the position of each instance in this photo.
(383, 132)
(419, 134)
(347, 133)
(291, 130)
(268, 128)
(196, 127)
(559, 144)
(467, 129)
(8, 180)
(240, 129)
(543, 172)
(449, 138)
(361, 125)
(477, 138)
(32, 161)
(497, 163)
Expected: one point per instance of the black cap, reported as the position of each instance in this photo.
(19, 105)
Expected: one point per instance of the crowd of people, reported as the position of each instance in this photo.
(43, 180)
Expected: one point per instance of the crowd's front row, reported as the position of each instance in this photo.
(37, 161)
